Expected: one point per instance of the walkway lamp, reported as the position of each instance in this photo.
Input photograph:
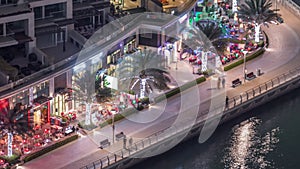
(244, 66)
(113, 124)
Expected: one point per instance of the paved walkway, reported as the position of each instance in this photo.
(279, 58)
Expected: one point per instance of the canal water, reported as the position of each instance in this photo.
(297, 2)
(263, 138)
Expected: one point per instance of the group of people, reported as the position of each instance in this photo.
(221, 80)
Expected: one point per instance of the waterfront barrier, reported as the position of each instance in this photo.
(236, 106)
(291, 5)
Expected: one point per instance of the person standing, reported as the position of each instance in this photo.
(219, 82)
(130, 141)
(124, 142)
(223, 82)
(226, 102)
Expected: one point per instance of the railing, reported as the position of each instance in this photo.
(292, 5)
(175, 130)
(263, 88)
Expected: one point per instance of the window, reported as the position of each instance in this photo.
(108, 59)
(1, 29)
(38, 12)
(55, 10)
(15, 27)
(4, 2)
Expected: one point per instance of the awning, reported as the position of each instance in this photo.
(41, 100)
(47, 29)
(65, 22)
(172, 39)
(21, 38)
(62, 90)
(130, 38)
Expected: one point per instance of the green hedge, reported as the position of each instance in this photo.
(118, 117)
(252, 56)
(50, 148)
(86, 127)
(179, 89)
(267, 39)
(14, 159)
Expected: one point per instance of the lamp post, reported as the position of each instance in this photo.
(244, 66)
(113, 124)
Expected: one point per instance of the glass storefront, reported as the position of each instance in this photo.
(129, 47)
(62, 101)
(41, 111)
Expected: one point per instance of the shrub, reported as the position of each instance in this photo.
(267, 39)
(252, 56)
(118, 117)
(86, 127)
(14, 159)
(179, 89)
(50, 148)
(130, 92)
(145, 100)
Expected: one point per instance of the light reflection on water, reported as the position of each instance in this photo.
(248, 149)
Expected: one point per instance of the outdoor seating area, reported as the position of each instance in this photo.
(86, 30)
(16, 64)
(40, 137)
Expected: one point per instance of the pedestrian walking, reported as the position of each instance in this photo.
(124, 142)
(219, 82)
(130, 141)
(223, 82)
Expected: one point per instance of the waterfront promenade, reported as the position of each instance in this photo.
(280, 57)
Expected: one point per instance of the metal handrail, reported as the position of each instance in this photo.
(233, 102)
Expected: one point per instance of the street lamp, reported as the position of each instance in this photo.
(244, 67)
(113, 124)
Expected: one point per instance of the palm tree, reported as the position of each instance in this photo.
(144, 68)
(208, 36)
(14, 122)
(84, 91)
(259, 12)
(214, 33)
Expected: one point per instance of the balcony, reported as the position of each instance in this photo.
(14, 9)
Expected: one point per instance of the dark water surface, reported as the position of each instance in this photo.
(266, 137)
(297, 2)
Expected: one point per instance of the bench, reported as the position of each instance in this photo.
(104, 143)
(250, 76)
(119, 136)
(236, 82)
